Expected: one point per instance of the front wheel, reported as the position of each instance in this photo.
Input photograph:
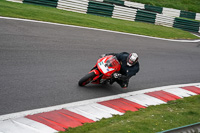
(86, 79)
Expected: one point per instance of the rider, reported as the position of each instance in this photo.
(129, 67)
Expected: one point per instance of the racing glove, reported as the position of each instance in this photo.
(120, 77)
(117, 75)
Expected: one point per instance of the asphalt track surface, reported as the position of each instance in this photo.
(40, 64)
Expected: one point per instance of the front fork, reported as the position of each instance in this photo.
(97, 78)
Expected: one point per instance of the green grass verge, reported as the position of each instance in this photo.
(150, 120)
(187, 5)
(35, 12)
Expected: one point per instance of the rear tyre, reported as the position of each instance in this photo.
(86, 79)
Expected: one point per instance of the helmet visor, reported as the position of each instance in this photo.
(131, 60)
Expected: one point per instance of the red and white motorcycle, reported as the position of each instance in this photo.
(102, 72)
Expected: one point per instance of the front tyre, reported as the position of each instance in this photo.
(86, 79)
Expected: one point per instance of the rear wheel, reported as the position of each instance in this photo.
(86, 79)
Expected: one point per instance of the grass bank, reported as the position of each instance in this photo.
(187, 5)
(150, 120)
(35, 12)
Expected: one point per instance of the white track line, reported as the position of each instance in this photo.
(91, 101)
(196, 35)
(27, 20)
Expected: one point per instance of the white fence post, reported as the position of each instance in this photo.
(197, 16)
(124, 13)
(171, 12)
(18, 1)
(134, 4)
(73, 5)
(164, 20)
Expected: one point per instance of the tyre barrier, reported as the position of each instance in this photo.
(123, 10)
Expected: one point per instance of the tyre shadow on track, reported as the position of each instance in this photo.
(111, 89)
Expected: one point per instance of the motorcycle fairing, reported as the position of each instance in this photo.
(104, 69)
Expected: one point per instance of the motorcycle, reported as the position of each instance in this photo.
(102, 72)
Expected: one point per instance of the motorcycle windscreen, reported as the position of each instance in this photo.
(109, 65)
(112, 62)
